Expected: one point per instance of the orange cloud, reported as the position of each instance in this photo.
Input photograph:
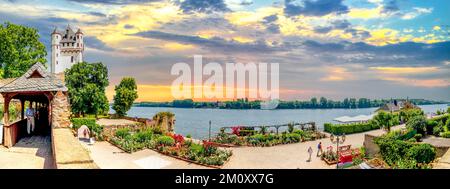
(404, 70)
(337, 74)
(159, 93)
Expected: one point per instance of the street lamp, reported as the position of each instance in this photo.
(337, 139)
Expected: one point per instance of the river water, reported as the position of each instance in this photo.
(195, 121)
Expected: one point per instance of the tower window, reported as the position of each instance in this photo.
(71, 59)
(56, 54)
(57, 62)
(78, 45)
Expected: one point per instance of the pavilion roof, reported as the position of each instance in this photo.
(36, 79)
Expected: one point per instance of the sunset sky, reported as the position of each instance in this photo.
(330, 48)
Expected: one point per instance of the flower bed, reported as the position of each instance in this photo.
(264, 139)
(170, 144)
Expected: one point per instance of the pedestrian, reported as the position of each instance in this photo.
(319, 149)
(310, 151)
(30, 113)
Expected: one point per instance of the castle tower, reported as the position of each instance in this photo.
(67, 49)
(56, 49)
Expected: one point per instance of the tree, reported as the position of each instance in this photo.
(384, 120)
(418, 123)
(314, 102)
(86, 83)
(20, 48)
(323, 102)
(126, 93)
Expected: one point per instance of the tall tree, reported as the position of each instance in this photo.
(126, 93)
(20, 48)
(87, 83)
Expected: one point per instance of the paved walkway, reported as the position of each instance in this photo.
(290, 156)
(107, 156)
(29, 153)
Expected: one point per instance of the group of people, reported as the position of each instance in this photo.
(319, 151)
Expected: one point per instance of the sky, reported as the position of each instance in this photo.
(330, 48)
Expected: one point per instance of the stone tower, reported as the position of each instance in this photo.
(67, 49)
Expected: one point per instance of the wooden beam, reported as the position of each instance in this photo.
(22, 107)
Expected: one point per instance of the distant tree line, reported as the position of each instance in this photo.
(314, 103)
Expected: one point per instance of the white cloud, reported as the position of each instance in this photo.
(417, 11)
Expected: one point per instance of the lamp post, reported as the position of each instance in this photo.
(209, 135)
(337, 139)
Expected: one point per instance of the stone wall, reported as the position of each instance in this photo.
(110, 130)
(68, 153)
(60, 110)
(370, 146)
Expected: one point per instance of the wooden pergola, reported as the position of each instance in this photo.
(38, 87)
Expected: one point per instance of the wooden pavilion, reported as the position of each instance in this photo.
(45, 92)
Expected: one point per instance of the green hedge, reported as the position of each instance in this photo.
(78, 122)
(349, 128)
(91, 124)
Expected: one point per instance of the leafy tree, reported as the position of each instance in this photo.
(20, 48)
(384, 120)
(126, 93)
(418, 123)
(314, 102)
(86, 83)
(323, 102)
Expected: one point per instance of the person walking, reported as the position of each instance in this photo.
(30, 119)
(319, 149)
(310, 151)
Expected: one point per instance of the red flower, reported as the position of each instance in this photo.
(236, 130)
(178, 138)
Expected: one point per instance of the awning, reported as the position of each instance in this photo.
(359, 118)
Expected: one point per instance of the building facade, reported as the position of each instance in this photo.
(67, 49)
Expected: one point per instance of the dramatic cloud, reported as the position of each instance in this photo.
(93, 42)
(345, 26)
(314, 7)
(271, 25)
(216, 43)
(205, 6)
(390, 6)
(408, 52)
(115, 2)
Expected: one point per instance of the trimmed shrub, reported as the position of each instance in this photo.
(348, 128)
(144, 136)
(422, 153)
(165, 141)
(78, 122)
(418, 137)
(418, 123)
(431, 124)
(445, 134)
(122, 133)
(392, 150)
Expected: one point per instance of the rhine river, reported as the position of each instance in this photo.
(195, 121)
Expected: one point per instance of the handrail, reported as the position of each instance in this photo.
(275, 126)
